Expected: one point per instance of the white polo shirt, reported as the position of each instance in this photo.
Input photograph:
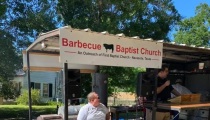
(89, 112)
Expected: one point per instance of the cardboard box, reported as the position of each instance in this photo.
(185, 99)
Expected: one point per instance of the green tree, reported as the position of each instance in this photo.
(9, 57)
(120, 78)
(195, 30)
(8, 90)
(27, 19)
(20, 25)
(153, 19)
(10, 60)
(2, 7)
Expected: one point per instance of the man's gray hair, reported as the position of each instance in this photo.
(91, 96)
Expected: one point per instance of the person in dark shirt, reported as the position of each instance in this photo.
(164, 90)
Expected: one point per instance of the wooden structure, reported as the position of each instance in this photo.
(186, 99)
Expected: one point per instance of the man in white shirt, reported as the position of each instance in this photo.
(180, 88)
(94, 110)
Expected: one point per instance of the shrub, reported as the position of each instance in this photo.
(35, 97)
(20, 112)
(54, 103)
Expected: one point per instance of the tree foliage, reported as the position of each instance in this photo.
(152, 19)
(195, 30)
(8, 90)
(2, 7)
(27, 19)
(21, 22)
(122, 79)
(9, 57)
(35, 97)
(10, 60)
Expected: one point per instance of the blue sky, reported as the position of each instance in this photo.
(187, 8)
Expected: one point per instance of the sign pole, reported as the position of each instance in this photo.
(29, 87)
(65, 91)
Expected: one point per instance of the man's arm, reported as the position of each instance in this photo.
(106, 111)
(82, 115)
(108, 116)
(162, 87)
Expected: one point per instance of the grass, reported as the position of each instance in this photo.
(22, 112)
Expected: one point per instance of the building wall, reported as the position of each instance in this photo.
(42, 78)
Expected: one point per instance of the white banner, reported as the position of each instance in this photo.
(80, 47)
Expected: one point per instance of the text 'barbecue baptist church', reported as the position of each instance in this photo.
(113, 48)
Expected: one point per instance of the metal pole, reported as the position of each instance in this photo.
(154, 105)
(65, 91)
(29, 85)
(55, 95)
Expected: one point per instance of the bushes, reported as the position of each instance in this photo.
(35, 97)
(18, 112)
(54, 103)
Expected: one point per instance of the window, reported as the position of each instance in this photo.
(35, 85)
(47, 90)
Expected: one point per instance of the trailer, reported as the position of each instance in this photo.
(83, 50)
